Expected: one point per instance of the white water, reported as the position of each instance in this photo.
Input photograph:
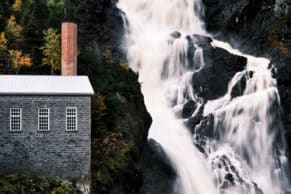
(245, 124)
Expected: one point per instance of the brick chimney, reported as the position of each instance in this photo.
(69, 48)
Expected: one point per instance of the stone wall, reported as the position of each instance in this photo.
(56, 152)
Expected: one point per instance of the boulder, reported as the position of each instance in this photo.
(211, 82)
(159, 176)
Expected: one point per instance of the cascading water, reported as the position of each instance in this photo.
(243, 157)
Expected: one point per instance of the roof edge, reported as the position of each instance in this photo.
(44, 94)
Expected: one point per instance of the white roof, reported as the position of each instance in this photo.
(45, 85)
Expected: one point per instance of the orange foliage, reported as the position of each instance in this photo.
(3, 41)
(14, 29)
(17, 5)
(19, 60)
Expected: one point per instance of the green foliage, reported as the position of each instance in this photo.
(55, 8)
(113, 76)
(25, 183)
(110, 159)
(52, 50)
(40, 11)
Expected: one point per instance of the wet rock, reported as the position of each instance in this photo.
(285, 97)
(206, 127)
(240, 86)
(201, 40)
(283, 69)
(201, 149)
(229, 14)
(211, 82)
(243, 23)
(196, 119)
(176, 34)
(192, 122)
(159, 176)
(229, 177)
(226, 184)
(189, 109)
(283, 76)
(257, 189)
(238, 89)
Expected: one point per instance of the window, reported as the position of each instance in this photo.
(15, 119)
(43, 119)
(71, 119)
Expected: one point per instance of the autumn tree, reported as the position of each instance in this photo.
(17, 5)
(51, 50)
(19, 60)
(3, 52)
(14, 32)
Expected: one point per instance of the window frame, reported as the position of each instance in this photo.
(69, 116)
(16, 116)
(43, 116)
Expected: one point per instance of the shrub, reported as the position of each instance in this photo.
(27, 183)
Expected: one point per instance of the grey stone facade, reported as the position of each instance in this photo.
(56, 152)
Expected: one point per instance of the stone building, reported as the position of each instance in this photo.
(45, 121)
(45, 125)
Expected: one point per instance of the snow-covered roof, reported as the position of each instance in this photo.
(45, 85)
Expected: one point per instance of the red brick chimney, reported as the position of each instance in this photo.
(69, 49)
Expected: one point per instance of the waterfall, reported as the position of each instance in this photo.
(248, 154)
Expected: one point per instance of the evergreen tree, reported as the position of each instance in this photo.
(40, 14)
(2, 20)
(55, 13)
